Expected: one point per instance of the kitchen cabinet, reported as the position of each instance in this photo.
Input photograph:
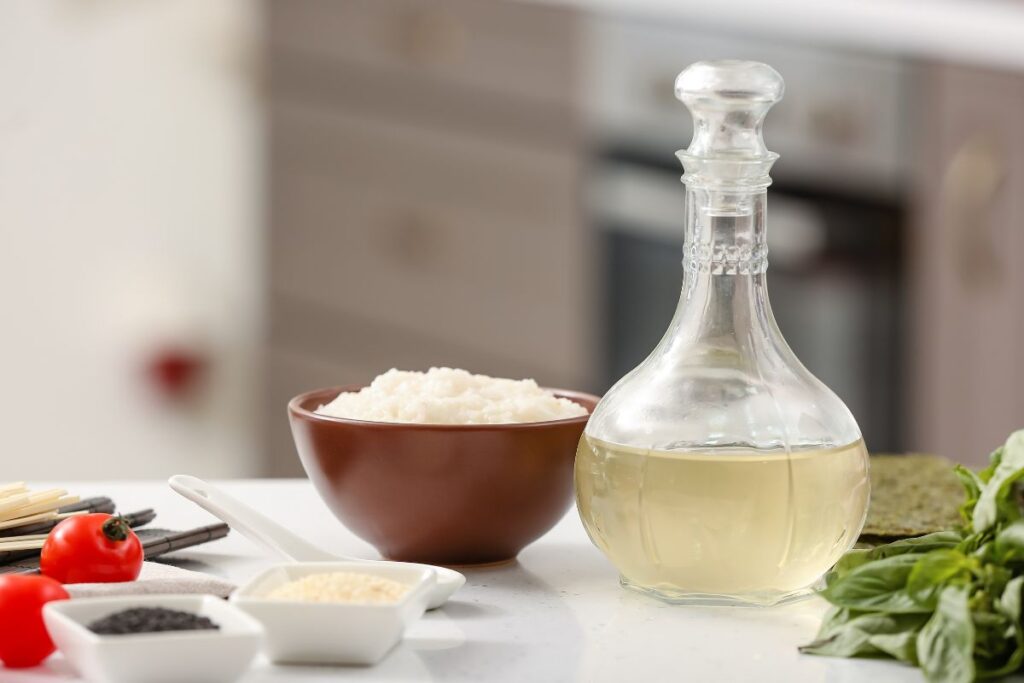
(966, 283)
(425, 164)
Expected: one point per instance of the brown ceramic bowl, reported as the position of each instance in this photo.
(440, 494)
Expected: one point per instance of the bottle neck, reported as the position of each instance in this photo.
(725, 256)
(725, 232)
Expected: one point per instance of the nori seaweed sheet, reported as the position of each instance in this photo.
(911, 494)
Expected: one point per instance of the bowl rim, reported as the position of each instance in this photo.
(295, 408)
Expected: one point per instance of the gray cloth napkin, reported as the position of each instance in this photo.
(156, 578)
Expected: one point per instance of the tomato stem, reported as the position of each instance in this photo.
(116, 529)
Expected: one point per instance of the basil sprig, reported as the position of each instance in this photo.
(947, 602)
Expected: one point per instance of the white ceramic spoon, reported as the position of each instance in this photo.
(264, 531)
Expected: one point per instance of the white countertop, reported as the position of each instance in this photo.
(558, 614)
(982, 32)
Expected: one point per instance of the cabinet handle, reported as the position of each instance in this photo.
(970, 187)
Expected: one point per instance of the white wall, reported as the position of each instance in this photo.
(129, 218)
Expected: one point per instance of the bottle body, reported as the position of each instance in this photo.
(720, 469)
(740, 525)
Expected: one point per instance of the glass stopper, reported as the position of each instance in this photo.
(728, 101)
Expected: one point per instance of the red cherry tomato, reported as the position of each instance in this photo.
(23, 637)
(94, 548)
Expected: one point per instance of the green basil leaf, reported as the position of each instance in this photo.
(1009, 543)
(856, 636)
(845, 642)
(994, 458)
(999, 641)
(988, 620)
(1009, 605)
(994, 497)
(934, 571)
(1010, 601)
(835, 618)
(945, 645)
(901, 646)
(975, 544)
(993, 578)
(972, 484)
(917, 545)
(876, 586)
(983, 552)
(847, 563)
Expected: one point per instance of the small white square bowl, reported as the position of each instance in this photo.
(334, 632)
(207, 656)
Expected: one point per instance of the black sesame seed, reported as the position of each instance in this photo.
(150, 620)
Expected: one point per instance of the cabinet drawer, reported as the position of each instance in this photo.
(345, 349)
(428, 105)
(509, 48)
(475, 245)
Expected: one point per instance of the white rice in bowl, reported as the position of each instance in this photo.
(450, 396)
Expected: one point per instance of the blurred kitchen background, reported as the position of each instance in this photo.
(208, 207)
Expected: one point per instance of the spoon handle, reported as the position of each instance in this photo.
(254, 525)
(265, 532)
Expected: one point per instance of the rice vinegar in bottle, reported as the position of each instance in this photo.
(720, 471)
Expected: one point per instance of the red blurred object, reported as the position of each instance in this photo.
(176, 372)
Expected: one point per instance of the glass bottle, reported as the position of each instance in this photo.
(720, 470)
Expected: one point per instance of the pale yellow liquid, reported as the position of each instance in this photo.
(722, 526)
